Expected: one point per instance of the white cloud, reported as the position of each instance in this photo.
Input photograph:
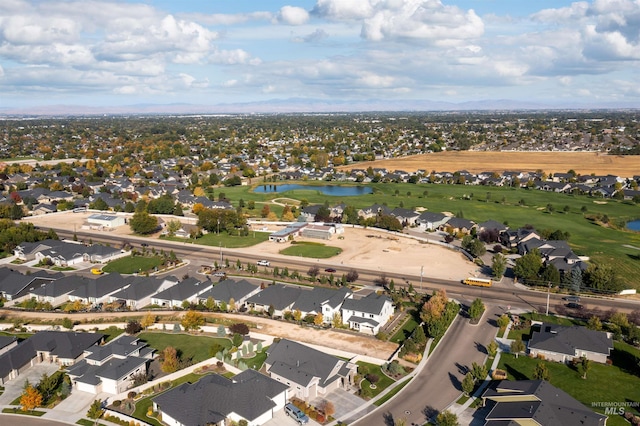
(233, 57)
(340, 10)
(292, 15)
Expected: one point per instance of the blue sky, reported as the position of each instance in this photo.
(111, 53)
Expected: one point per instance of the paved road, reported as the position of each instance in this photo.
(438, 384)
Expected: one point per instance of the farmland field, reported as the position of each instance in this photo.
(480, 161)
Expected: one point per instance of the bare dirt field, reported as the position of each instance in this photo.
(375, 250)
(549, 162)
(347, 341)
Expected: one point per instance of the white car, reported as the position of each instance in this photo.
(263, 263)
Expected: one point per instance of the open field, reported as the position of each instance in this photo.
(475, 162)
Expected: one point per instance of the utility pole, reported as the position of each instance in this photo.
(548, 294)
(220, 253)
(421, 274)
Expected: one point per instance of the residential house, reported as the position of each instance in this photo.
(280, 297)
(60, 347)
(457, 225)
(14, 285)
(308, 372)
(111, 368)
(512, 237)
(185, 291)
(431, 220)
(56, 292)
(406, 217)
(491, 225)
(7, 343)
(226, 291)
(322, 300)
(214, 399)
(367, 314)
(373, 211)
(138, 294)
(94, 291)
(565, 343)
(535, 402)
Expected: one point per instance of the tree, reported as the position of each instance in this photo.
(517, 346)
(473, 246)
(528, 266)
(549, 273)
(170, 360)
(297, 315)
(318, 319)
(602, 277)
(240, 328)
(584, 366)
(148, 320)
(503, 321)
(337, 320)
(95, 410)
(237, 340)
(479, 371)
(476, 309)
(143, 223)
(492, 349)
(447, 418)
(48, 385)
(67, 323)
(313, 272)
(327, 407)
(173, 226)
(30, 399)
(498, 265)
(594, 323)
(192, 320)
(541, 372)
(352, 276)
(468, 383)
(133, 327)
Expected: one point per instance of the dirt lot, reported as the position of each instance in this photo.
(347, 341)
(550, 162)
(366, 248)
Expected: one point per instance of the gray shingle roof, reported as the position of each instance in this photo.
(566, 340)
(183, 290)
(279, 296)
(370, 304)
(229, 289)
(212, 398)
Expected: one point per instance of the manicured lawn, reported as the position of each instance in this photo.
(111, 332)
(133, 264)
(86, 422)
(391, 393)
(605, 383)
(225, 240)
(34, 413)
(314, 250)
(407, 328)
(602, 244)
(256, 362)
(20, 336)
(194, 347)
(382, 383)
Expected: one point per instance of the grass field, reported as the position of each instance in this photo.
(313, 250)
(515, 206)
(613, 383)
(383, 382)
(133, 264)
(407, 328)
(476, 162)
(195, 348)
(225, 240)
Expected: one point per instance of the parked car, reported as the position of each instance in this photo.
(220, 274)
(263, 263)
(330, 270)
(296, 414)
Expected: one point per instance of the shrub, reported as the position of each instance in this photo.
(131, 395)
(372, 378)
(117, 403)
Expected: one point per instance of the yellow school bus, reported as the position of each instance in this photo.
(478, 282)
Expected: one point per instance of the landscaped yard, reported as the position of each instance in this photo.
(383, 382)
(133, 264)
(605, 383)
(310, 249)
(195, 348)
(407, 328)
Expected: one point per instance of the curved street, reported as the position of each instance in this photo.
(438, 384)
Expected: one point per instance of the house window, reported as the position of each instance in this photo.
(370, 315)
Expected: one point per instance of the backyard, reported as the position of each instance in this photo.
(605, 383)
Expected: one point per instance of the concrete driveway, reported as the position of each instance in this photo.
(281, 419)
(343, 402)
(14, 388)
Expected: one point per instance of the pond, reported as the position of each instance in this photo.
(634, 225)
(339, 191)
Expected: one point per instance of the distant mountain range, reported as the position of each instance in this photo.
(298, 105)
